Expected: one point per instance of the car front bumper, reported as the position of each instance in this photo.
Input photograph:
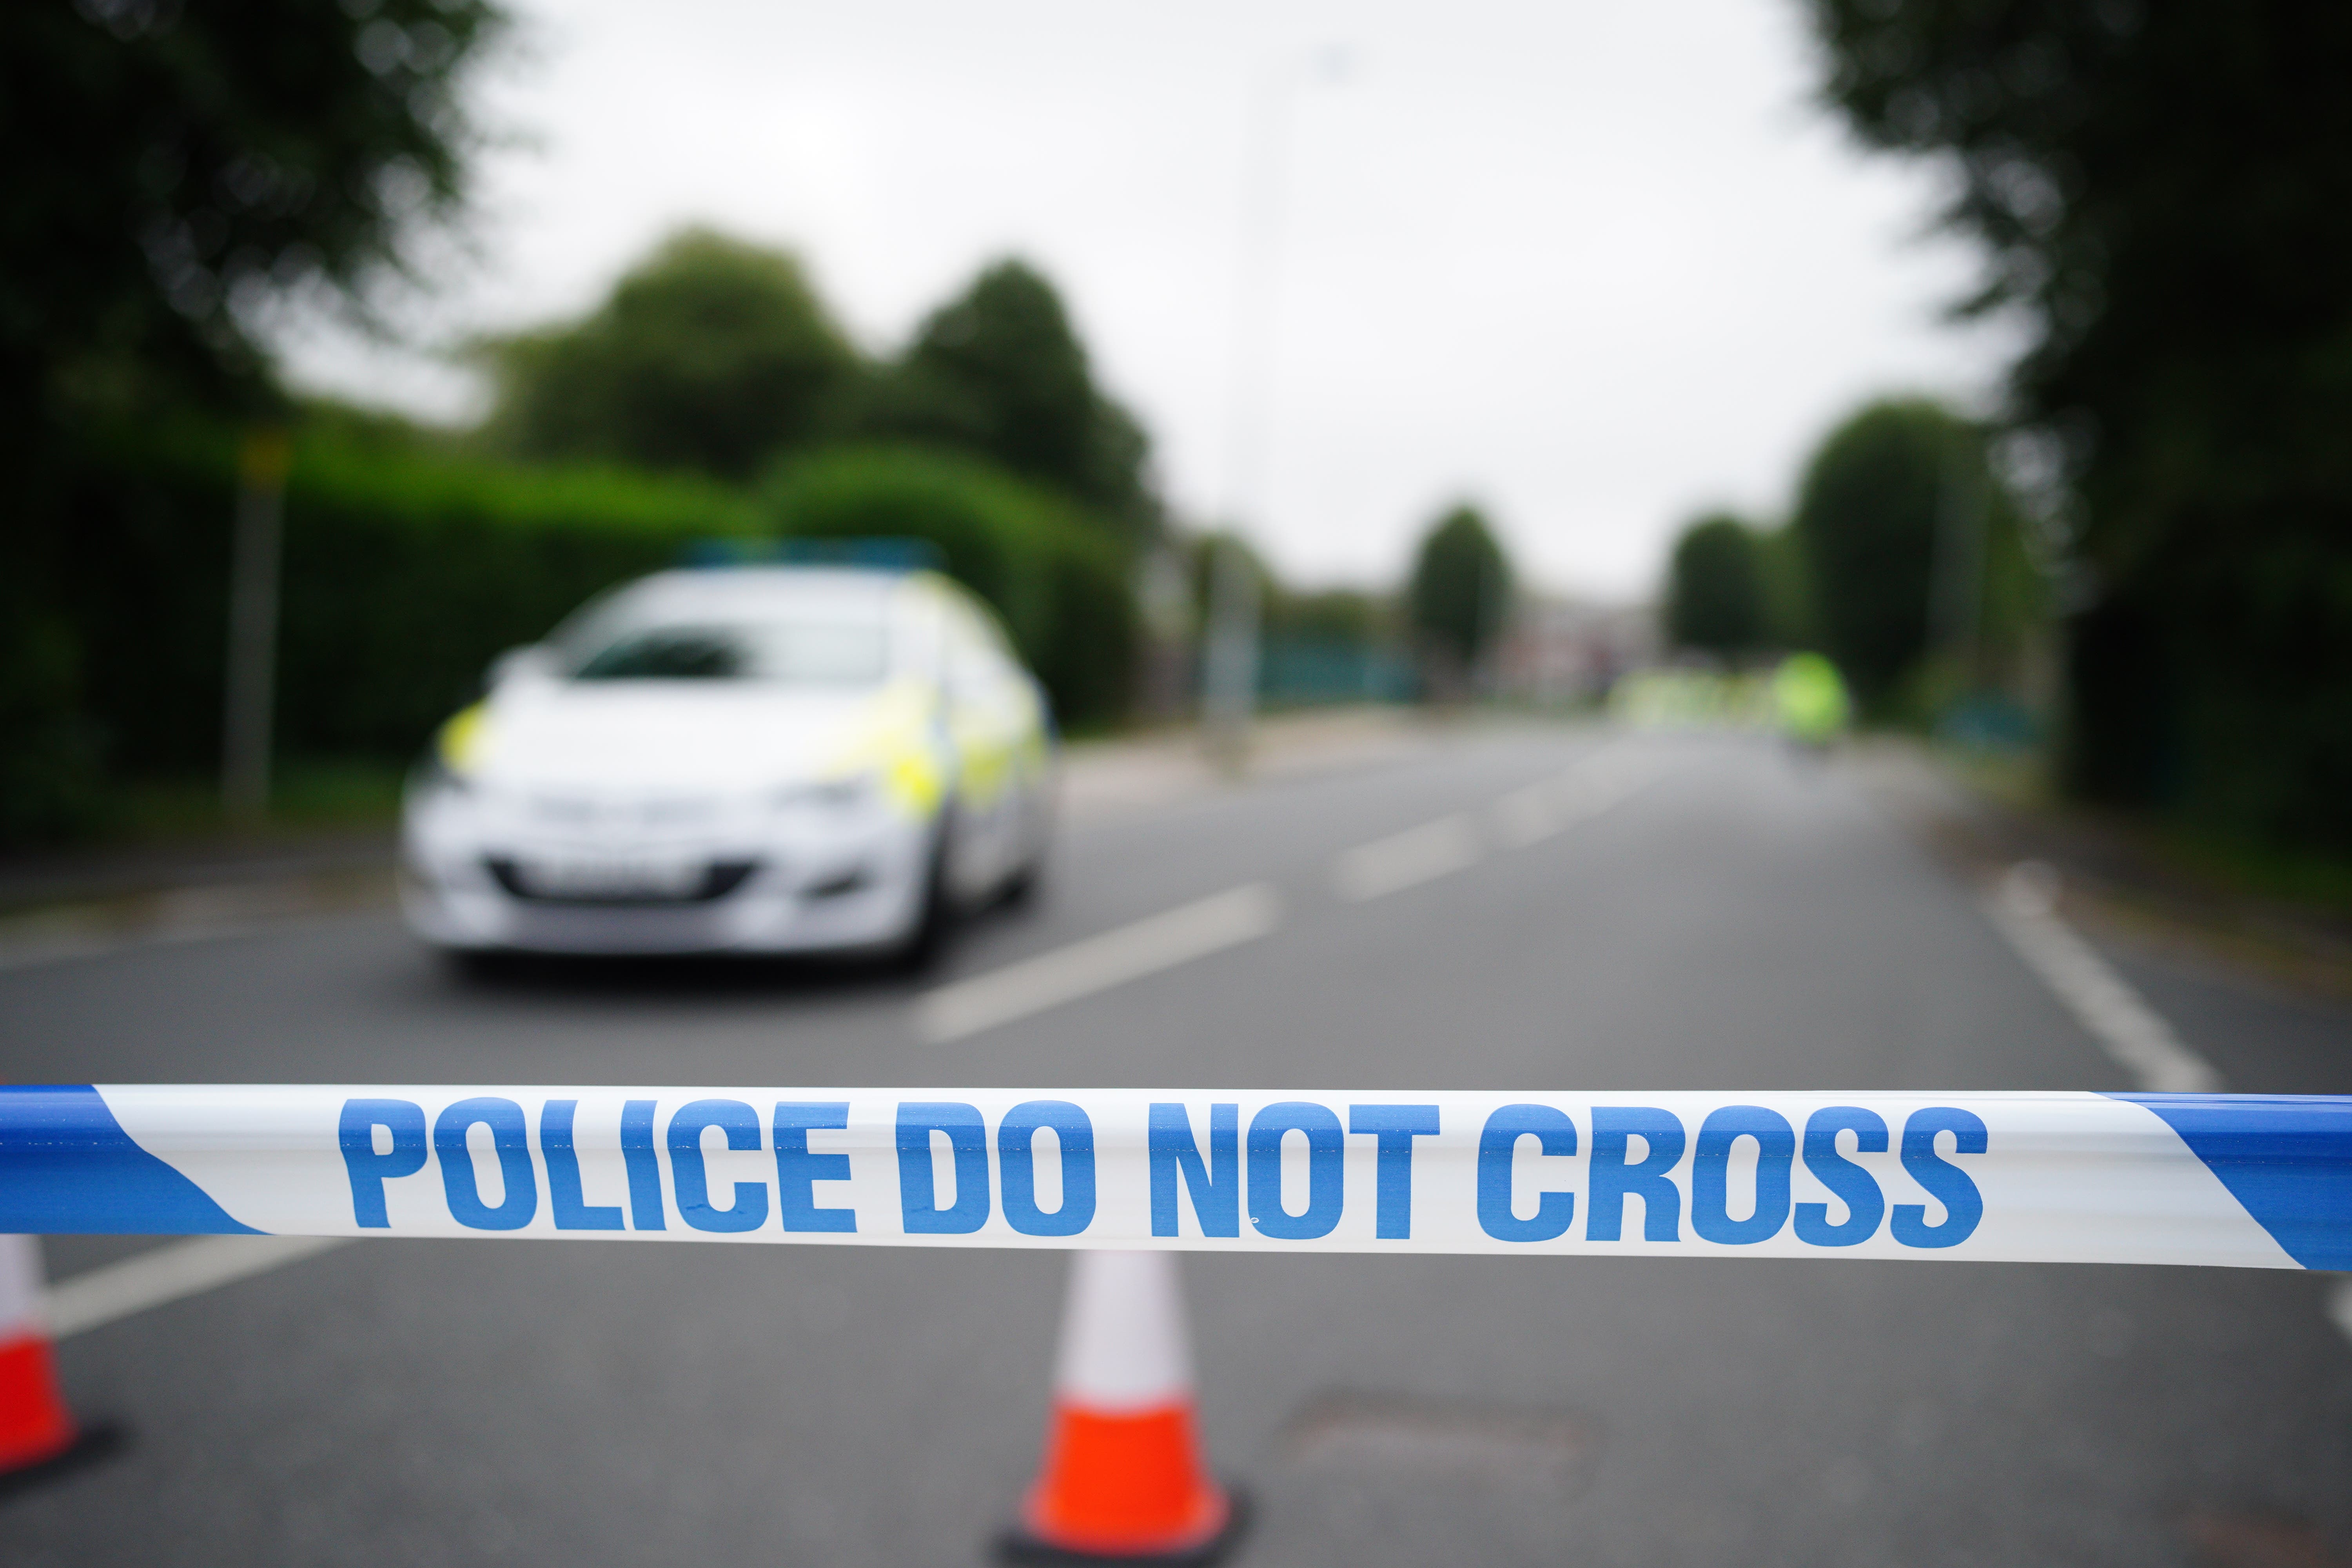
(802, 892)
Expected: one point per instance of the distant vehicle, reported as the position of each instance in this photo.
(754, 759)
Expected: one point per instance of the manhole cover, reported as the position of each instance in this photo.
(2260, 1541)
(1401, 1435)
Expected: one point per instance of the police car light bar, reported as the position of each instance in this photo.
(877, 555)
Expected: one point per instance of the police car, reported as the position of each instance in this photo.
(753, 759)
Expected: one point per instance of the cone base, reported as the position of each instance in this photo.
(1018, 1546)
(96, 1442)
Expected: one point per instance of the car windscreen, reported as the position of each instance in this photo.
(800, 653)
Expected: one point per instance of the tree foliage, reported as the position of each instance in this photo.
(999, 370)
(404, 574)
(1459, 596)
(1883, 493)
(718, 355)
(1789, 613)
(1341, 616)
(172, 169)
(2164, 191)
(1202, 553)
(1716, 594)
(711, 354)
(174, 166)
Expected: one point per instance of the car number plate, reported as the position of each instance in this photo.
(610, 877)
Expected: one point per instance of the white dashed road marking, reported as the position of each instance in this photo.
(170, 1273)
(1193, 930)
(1403, 859)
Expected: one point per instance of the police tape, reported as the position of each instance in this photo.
(2232, 1180)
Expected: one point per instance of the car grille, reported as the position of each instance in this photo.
(719, 878)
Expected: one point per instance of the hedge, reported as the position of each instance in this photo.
(407, 573)
(403, 576)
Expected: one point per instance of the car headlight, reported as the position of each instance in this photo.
(851, 791)
(449, 760)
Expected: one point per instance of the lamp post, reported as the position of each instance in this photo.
(1229, 696)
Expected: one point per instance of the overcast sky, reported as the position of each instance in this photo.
(1596, 264)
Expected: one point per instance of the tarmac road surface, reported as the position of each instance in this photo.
(1712, 914)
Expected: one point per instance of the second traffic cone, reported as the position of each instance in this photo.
(35, 1425)
(1123, 1479)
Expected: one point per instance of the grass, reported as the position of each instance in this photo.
(2022, 780)
(307, 794)
(2322, 883)
(2019, 778)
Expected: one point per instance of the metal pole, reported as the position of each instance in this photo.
(250, 687)
(1229, 699)
(1486, 666)
(1231, 695)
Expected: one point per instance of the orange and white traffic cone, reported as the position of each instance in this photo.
(38, 1433)
(1123, 1479)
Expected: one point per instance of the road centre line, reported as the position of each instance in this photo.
(2024, 908)
(1526, 817)
(171, 1273)
(1529, 816)
(965, 1007)
(1403, 860)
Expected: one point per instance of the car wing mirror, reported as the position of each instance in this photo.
(533, 661)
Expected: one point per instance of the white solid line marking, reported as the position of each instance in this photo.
(2024, 910)
(65, 949)
(68, 950)
(1403, 860)
(171, 1273)
(1098, 964)
(26, 955)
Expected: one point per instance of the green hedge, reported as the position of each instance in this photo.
(402, 577)
(405, 573)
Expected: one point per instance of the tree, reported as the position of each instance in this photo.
(999, 371)
(174, 169)
(1715, 597)
(2164, 196)
(1460, 593)
(195, 160)
(1203, 552)
(711, 354)
(1868, 514)
(1789, 618)
(1343, 616)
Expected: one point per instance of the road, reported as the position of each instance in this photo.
(1721, 916)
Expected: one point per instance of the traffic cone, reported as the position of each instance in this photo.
(1123, 1479)
(38, 1434)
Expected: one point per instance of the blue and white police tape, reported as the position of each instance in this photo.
(2236, 1180)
